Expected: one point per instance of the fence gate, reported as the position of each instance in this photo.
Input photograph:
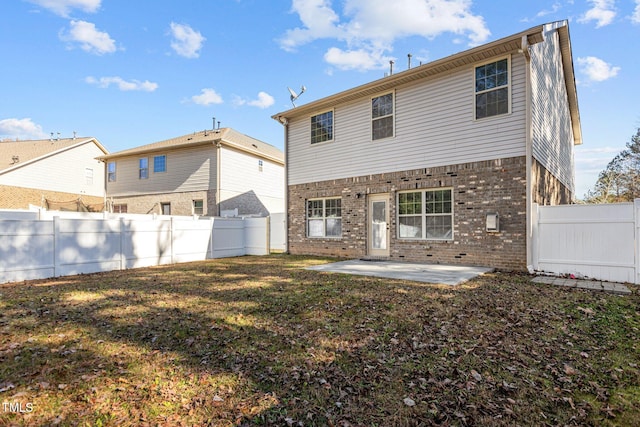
(592, 241)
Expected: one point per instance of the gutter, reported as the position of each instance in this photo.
(528, 156)
(285, 123)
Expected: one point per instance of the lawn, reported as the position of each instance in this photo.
(261, 341)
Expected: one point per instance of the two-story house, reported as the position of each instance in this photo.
(205, 173)
(55, 173)
(439, 163)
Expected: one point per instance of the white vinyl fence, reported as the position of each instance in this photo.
(593, 241)
(34, 249)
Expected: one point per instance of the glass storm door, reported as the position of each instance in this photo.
(379, 225)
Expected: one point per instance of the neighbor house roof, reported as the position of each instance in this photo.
(15, 154)
(477, 54)
(224, 136)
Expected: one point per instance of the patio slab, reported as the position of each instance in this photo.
(427, 273)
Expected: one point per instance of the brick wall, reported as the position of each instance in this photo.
(478, 188)
(181, 203)
(546, 188)
(21, 197)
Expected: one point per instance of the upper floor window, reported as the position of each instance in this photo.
(111, 171)
(382, 116)
(143, 170)
(425, 214)
(322, 127)
(324, 217)
(88, 176)
(492, 89)
(160, 164)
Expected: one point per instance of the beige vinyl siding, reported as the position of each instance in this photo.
(552, 135)
(190, 169)
(434, 126)
(62, 171)
(240, 174)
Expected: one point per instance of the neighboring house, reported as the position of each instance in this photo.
(208, 173)
(57, 174)
(439, 163)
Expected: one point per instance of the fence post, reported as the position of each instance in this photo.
(636, 207)
(123, 258)
(171, 234)
(211, 223)
(56, 246)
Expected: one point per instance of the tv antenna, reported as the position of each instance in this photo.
(295, 95)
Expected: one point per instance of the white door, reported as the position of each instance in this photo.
(379, 225)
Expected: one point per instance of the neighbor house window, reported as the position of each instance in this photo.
(198, 207)
(165, 208)
(260, 165)
(88, 176)
(120, 208)
(143, 169)
(160, 164)
(426, 214)
(324, 217)
(492, 89)
(111, 171)
(322, 127)
(382, 116)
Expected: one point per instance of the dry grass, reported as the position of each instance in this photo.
(260, 341)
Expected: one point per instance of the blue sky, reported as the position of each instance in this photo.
(135, 72)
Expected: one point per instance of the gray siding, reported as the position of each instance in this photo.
(244, 186)
(434, 126)
(190, 169)
(552, 135)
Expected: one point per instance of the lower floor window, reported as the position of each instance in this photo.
(198, 207)
(425, 214)
(120, 208)
(324, 217)
(165, 208)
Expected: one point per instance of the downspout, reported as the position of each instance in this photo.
(285, 124)
(529, 154)
(218, 175)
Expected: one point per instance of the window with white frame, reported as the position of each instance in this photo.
(382, 116)
(324, 217)
(198, 207)
(159, 163)
(111, 171)
(492, 89)
(88, 176)
(425, 214)
(143, 168)
(322, 127)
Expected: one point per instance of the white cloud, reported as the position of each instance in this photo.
(368, 28)
(207, 97)
(635, 18)
(596, 69)
(63, 7)
(123, 85)
(90, 39)
(264, 100)
(186, 41)
(603, 12)
(21, 128)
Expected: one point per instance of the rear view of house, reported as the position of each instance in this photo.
(439, 163)
(211, 172)
(56, 173)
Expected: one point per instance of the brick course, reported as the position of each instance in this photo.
(478, 188)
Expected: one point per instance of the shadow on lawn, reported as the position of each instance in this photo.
(260, 341)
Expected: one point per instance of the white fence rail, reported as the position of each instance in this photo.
(594, 241)
(34, 249)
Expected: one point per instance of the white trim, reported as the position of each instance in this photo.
(424, 215)
(324, 217)
(333, 127)
(393, 115)
(509, 87)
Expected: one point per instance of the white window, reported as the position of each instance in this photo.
(198, 207)
(88, 176)
(111, 171)
(143, 170)
(425, 214)
(382, 116)
(322, 127)
(324, 217)
(492, 89)
(165, 208)
(260, 165)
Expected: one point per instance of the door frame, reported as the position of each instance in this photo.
(371, 251)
